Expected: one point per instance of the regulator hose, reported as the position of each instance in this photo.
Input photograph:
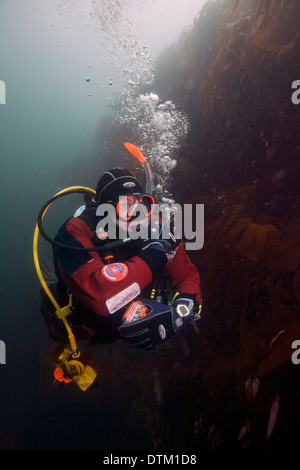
(72, 190)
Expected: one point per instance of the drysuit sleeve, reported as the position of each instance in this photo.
(102, 288)
(183, 274)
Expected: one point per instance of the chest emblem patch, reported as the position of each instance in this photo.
(115, 271)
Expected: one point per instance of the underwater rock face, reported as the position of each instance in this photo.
(232, 75)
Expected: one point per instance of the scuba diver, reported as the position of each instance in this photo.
(120, 286)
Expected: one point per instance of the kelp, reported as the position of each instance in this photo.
(252, 315)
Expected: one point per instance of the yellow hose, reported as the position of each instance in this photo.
(61, 312)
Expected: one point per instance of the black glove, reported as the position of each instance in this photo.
(156, 253)
(160, 324)
(185, 305)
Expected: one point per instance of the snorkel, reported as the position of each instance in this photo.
(135, 151)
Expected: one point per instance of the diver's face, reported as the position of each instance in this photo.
(130, 226)
(130, 205)
(133, 212)
(126, 207)
(131, 215)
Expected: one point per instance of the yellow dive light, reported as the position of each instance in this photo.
(74, 369)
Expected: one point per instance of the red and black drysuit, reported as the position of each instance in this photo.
(103, 291)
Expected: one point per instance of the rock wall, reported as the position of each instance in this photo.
(232, 74)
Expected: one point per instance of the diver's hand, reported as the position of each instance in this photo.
(156, 253)
(159, 325)
(185, 306)
(160, 245)
(152, 330)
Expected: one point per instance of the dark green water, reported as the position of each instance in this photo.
(48, 120)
